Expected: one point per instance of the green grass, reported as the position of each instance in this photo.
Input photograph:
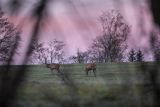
(116, 85)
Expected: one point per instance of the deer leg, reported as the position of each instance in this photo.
(60, 74)
(58, 71)
(94, 71)
(86, 72)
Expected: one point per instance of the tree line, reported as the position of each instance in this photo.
(109, 46)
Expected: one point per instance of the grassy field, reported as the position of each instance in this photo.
(116, 85)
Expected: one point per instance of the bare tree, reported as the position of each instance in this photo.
(72, 59)
(80, 57)
(55, 51)
(112, 42)
(77, 58)
(96, 53)
(85, 56)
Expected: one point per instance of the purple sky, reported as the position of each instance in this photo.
(77, 23)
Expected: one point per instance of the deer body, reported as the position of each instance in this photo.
(91, 67)
(54, 67)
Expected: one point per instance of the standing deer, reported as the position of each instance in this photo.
(53, 66)
(89, 67)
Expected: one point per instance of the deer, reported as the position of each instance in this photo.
(90, 67)
(53, 66)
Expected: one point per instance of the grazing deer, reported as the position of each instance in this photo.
(53, 66)
(89, 67)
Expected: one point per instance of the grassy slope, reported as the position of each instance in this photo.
(116, 84)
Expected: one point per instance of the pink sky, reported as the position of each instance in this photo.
(78, 26)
